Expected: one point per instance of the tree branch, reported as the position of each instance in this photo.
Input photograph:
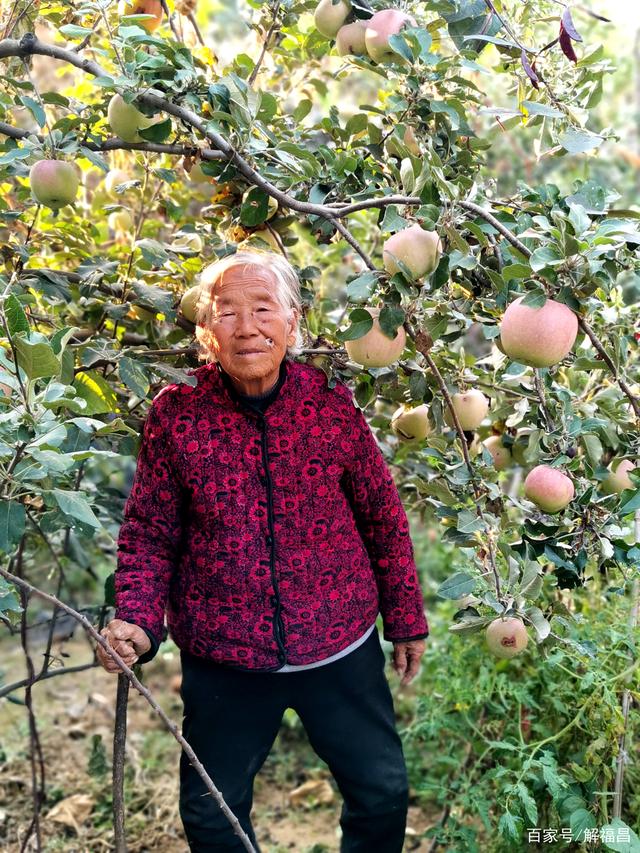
(172, 727)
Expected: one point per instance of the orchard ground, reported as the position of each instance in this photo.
(76, 718)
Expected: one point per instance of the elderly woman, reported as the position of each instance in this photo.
(264, 518)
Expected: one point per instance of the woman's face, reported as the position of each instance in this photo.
(247, 318)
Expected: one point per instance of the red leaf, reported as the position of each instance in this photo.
(569, 26)
(531, 74)
(565, 44)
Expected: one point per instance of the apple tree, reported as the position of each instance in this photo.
(491, 336)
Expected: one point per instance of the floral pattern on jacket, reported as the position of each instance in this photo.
(267, 538)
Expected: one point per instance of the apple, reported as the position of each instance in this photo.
(189, 302)
(144, 7)
(500, 454)
(257, 238)
(54, 183)
(197, 175)
(418, 249)
(471, 407)
(114, 178)
(411, 423)
(538, 337)
(125, 120)
(548, 488)
(618, 479)
(120, 220)
(411, 141)
(375, 349)
(137, 312)
(187, 240)
(380, 26)
(506, 636)
(329, 17)
(350, 39)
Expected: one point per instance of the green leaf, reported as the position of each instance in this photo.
(468, 522)
(390, 318)
(37, 359)
(360, 321)
(578, 141)
(509, 825)
(134, 376)
(12, 524)
(398, 43)
(96, 391)
(35, 109)
(447, 109)
(74, 504)
(580, 820)
(536, 109)
(8, 600)
(540, 624)
(616, 835)
(361, 288)
(158, 132)
(632, 504)
(73, 31)
(535, 299)
(407, 176)
(545, 256)
(516, 271)
(16, 318)
(255, 207)
(528, 802)
(302, 110)
(457, 586)
(357, 123)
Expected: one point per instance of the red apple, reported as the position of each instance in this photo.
(500, 454)
(350, 39)
(144, 7)
(548, 488)
(54, 183)
(418, 249)
(506, 636)
(538, 337)
(380, 26)
(618, 479)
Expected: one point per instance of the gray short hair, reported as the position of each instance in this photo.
(287, 293)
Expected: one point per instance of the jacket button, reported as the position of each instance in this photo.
(269, 540)
(273, 599)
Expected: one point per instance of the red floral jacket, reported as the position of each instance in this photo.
(269, 538)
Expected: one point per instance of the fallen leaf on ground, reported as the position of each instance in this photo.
(315, 789)
(72, 811)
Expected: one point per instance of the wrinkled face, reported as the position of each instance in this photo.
(250, 328)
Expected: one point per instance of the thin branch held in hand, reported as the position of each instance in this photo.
(171, 726)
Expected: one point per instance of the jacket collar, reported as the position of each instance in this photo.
(230, 392)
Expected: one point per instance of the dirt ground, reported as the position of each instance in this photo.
(75, 716)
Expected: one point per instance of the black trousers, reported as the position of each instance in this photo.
(231, 719)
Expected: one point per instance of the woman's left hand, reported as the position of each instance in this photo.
(406, 659)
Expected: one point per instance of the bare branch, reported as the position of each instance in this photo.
(172, 727)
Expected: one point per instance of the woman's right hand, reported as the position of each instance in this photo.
(125, 638)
